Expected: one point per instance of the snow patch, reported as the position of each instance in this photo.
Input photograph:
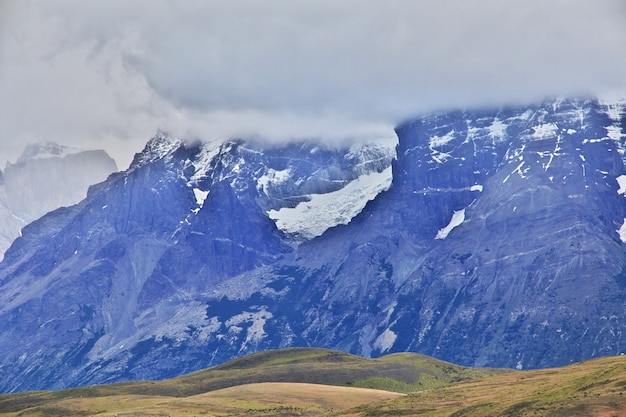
(272, 177)
(202, 163)
(438, 141)
(615, 132)
(622, 232)
(200, 196)
(546, 130)
(322, 211)
(526, 115)
(497, 129)
(458, 217)
(586, 141)
(614, 105)
(440, 157)
(517, 170)
(621, 180)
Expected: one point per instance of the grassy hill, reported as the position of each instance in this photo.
(404, 372)
(314, 382)
(591, 388)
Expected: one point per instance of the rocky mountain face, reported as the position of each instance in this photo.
(45, 177)
(87, 288)
(500, 242)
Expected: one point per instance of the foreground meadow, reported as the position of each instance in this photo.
(318, 382)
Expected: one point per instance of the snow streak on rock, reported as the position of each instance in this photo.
(458, 217)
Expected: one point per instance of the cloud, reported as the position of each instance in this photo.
(383, 60)
(109, 73)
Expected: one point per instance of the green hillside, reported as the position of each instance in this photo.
(591, 388)
(319, 382)
(403, 372)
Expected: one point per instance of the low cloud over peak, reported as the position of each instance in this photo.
(110, 73)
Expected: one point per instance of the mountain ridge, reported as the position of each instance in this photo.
(177, 264)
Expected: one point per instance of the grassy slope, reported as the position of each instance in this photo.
(263, 385)
(262, 399)
(592, 388)
(406, 372)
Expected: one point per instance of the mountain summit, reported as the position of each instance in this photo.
(46, 176)
(500, 242)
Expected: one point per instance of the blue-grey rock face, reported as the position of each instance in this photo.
(499, 243)
(116, 286)
(533, 276)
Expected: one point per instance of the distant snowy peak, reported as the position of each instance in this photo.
(157, 148)
(45, 177)
(46, 150)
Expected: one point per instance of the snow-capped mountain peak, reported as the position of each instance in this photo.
(161, 145)
(45, 177)
(43, 150)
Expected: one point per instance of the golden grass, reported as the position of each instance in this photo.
(592, 388)
(262, 399)
(273, 384)
(298, 395)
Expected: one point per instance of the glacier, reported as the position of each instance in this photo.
(320, 212)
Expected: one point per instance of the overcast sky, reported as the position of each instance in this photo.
(107, 74)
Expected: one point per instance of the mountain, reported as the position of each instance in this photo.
(45, 177)
(95, 282)
(499, 243)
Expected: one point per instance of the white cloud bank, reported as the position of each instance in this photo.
(109, 73)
